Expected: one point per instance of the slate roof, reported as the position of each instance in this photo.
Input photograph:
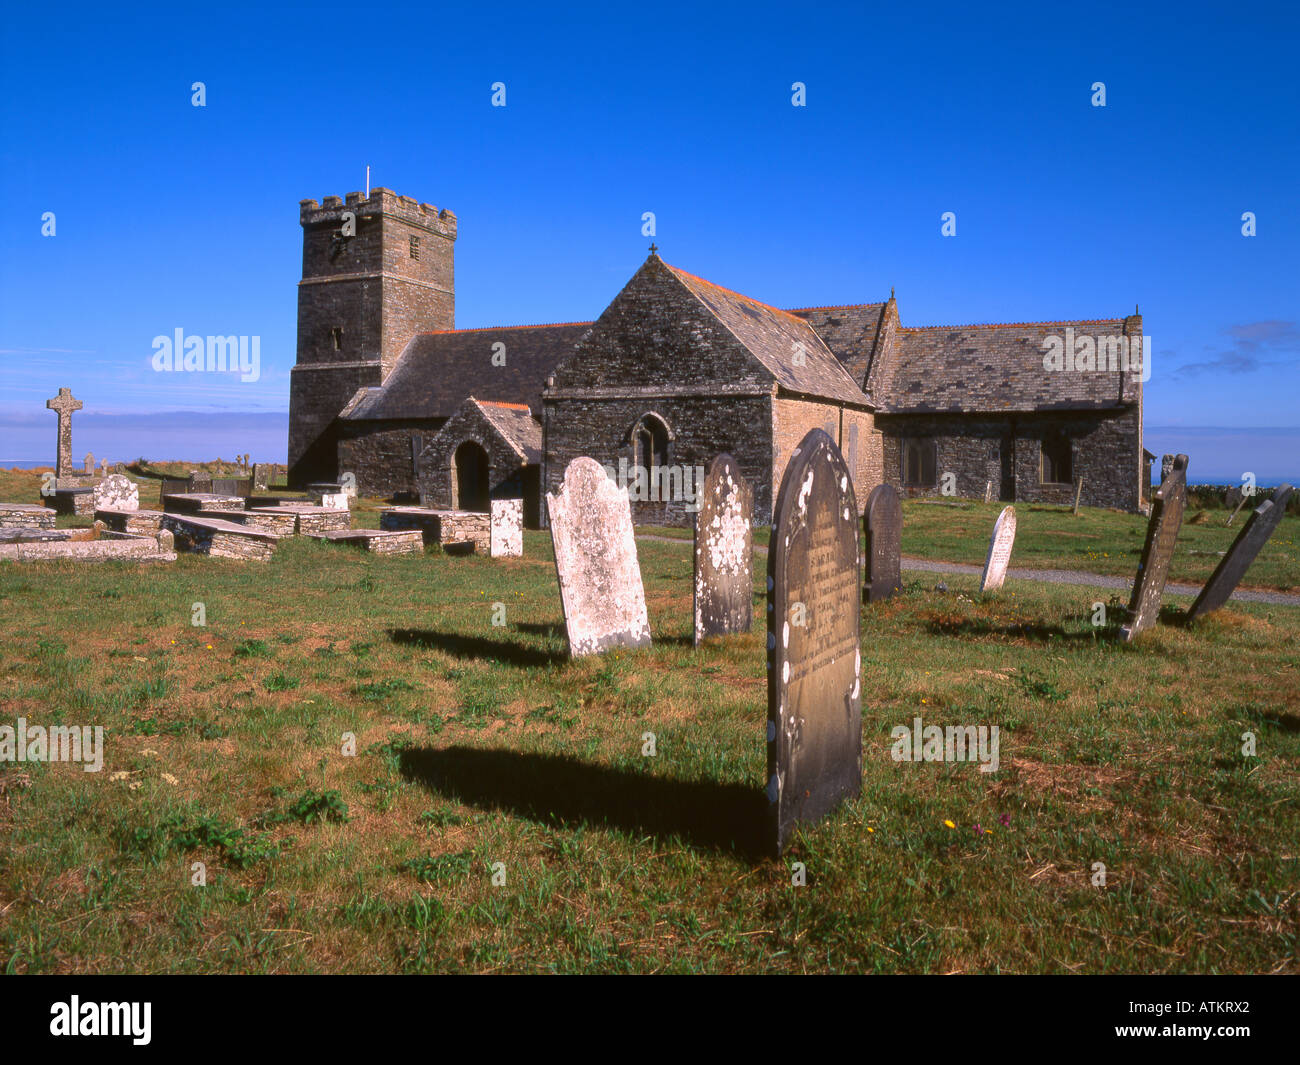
(773, 336)
(517, 427)
(437, 371)
(991, 368)
(849, 331)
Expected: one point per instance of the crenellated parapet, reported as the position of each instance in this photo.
(381, 202)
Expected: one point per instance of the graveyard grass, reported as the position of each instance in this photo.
(480, 744)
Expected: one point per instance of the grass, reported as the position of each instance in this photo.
(1098, 541)
(377, 779)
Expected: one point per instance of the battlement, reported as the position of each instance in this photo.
(383, 202)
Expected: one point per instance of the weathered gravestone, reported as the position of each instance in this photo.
(1000, 545)
(64, 404)
(1232, 567)
(90, 463)
(595, 561)
(1158, 550)
(814, 688)
(506, 536)
(261, 476)
(883, 521)
(116, 492)
(724, 552)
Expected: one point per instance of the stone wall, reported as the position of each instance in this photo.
(1106, 451)
(437, 460)
(699, 427)
(382, 455)
(853, 431)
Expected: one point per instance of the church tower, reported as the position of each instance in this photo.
(375, 272)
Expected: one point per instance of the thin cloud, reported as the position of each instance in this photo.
(1254, 346)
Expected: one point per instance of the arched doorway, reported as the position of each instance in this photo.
(470, 477)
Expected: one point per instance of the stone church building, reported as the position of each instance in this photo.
(674, 371)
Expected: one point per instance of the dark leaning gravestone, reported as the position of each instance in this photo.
(1158, 550)
(883, 521)
(595, 561)
(1261, 524)
(814, 688)
(724, 552)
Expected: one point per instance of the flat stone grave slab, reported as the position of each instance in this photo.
(595, 562)
(1167, 507)
(379, 541)
(883, 522)
(1000, 545)
(220, 539)
(1261, 525)
(193, 502)
(83, 545)
(814, 686)
(507, 528)
(256, 502)
(723, 590)
(140, 522)
(26, 515)
(309, 519)
(269, 520)
(458, 531)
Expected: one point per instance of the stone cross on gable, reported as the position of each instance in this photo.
(64, 404)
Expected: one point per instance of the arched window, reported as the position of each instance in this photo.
(650, 442)
(919, 462)
(1056, 466)
(470, 479)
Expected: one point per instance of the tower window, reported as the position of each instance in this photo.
(415, 248)
(919, 462)
(1056, 467)
(336, 334)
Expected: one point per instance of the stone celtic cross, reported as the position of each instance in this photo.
(64, 404)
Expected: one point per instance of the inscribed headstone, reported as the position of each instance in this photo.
(724, 552)
(883, 521)
(1000, 545)
(1261, 524)
(1158, 550)
(595, 561)
(814, 688)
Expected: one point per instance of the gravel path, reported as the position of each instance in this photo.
(1054, 576)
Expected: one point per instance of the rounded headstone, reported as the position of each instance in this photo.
(814, 755)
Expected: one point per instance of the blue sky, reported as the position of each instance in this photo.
(173, 216)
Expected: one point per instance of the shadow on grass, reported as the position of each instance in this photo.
(1031, 631)
(478, 647)
(555, 789)
(541, 628)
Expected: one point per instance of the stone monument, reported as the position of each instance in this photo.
(1000, 545)
(1261, 524)
(64, 404)
(595, 561)
(1158, 551)
(724, 552)
(814, 687)
(883, 521)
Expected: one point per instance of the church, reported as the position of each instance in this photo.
(675, 370)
